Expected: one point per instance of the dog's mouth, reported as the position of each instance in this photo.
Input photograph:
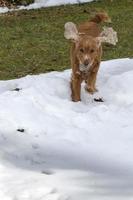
(85, 68)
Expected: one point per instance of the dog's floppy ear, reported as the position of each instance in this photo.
(108, 35)
(100, 40)
(71, 32)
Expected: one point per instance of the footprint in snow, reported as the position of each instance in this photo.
(35, 146)
(47, 172)
(22, 130)
(17, 89)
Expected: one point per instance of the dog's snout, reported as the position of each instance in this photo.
(86, 62)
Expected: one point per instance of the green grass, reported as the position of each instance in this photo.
(32, 42)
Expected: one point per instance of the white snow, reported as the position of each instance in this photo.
(68, 151)
(44, 3)
(3, 9)
(47, 3)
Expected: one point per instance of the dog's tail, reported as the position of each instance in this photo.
(100, 17)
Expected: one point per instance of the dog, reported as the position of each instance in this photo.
(86, 52)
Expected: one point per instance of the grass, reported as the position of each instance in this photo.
(32, 42)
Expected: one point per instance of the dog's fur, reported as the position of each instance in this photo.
(86, 51)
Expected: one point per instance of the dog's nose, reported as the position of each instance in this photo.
(86, 62)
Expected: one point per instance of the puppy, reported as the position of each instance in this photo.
(86, 52)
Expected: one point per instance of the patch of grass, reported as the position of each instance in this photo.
(32, 42)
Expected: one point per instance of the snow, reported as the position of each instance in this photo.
(67, 150)
(3, 9)
(44, 3)
(47, 3)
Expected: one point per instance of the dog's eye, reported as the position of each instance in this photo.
(82, 50)
(92, 50)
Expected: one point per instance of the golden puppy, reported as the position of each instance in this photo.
(86, 51)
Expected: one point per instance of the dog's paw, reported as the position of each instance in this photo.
(76, 100)
(95, 89)
(91, 90)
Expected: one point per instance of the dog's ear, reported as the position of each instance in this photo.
(99, 41)
(71, 32)
(108, 35)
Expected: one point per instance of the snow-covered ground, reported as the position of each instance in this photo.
(67, 150)
(44, 3)
(47, 3)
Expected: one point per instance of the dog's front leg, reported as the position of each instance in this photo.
(76, 87)
(91, 80)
